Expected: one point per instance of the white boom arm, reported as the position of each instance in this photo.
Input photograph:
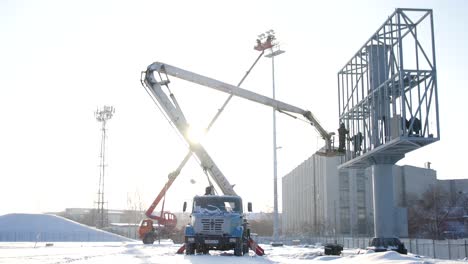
(163, 68)
(173, 111)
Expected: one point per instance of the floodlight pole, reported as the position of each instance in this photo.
(102, 116)
(268, 38)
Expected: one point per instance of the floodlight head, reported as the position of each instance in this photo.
(266, 41)
(104, 114)
(109, 109)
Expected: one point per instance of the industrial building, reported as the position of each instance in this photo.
(318, 199)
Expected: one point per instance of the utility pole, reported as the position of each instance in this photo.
(102, 116)
(266, 41)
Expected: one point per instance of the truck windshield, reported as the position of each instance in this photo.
(216, 203)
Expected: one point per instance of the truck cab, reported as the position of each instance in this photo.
(217, 222)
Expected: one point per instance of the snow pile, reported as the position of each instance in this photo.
(43, 227)
(386, 257)
(293, 252)
(315, 255)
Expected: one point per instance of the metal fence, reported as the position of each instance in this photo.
(441, 249)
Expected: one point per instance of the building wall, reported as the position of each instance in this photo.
(317, 199)
(299, 196)
(454, 187)
(355, 203)
(320, 200)
(83, 215)
(411, 182)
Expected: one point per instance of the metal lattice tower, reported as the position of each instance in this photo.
(388, 91)
(388, 106)
(102, 116)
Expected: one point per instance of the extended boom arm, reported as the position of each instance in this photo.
(173, 111)
(162, 68)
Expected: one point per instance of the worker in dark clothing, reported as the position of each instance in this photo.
(342, 132)
(209, 190)
(357, 142)
(416, 128)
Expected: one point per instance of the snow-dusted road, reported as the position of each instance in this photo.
(135, 252)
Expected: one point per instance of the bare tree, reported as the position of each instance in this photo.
(431, 215)
(263, 227)
(134, 210)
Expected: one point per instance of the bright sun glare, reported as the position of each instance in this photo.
(196, 133)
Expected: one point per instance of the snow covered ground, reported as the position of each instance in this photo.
(135, 252)
(102, 247)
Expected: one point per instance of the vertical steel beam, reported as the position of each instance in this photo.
(434, 73)
(400, 70)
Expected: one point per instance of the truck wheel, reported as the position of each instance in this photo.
(189, 248)
(238, 249)
(203, 250)
(148, 239)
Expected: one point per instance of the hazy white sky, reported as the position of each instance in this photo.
(60, 60)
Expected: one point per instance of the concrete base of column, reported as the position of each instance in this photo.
(384, 206)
